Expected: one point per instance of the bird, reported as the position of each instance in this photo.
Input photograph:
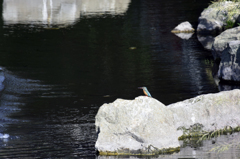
(145, 91)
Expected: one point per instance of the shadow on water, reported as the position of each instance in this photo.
(62, 59)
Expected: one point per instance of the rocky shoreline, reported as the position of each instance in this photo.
(219, 31)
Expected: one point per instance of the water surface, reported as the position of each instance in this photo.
(62, 59)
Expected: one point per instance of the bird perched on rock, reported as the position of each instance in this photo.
(145, 91)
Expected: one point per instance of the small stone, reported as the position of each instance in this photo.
(184, 27)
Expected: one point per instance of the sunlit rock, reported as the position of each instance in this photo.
(139, 126)
(144, 126)
(184, 36)
(229, 68)
(221, 41)
(206, 41)
(184, 27)
(217, 17)
(212, 111)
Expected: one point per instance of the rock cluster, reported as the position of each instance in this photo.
(218, 17)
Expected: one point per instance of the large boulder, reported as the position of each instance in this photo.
(140, 126)
(221, 41)
(229, 68)
(144, 126)
(218, 16)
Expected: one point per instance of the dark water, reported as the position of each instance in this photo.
(62, 59)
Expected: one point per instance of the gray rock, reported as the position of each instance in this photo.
(229, 68)
(209, 26)
(217, 16)
(145, 126)
(183, 28)
(139, 126)
(221, 41)
(206, 41)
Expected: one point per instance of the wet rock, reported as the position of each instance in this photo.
(139, 126)
(184, 27)
(217, 17)
(221, 41)
(144, 126)
(206, 41)
(229, 68)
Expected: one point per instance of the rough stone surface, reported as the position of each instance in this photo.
(209, 26)
(144, 125)
(213, 111)
(229, 68)
(206, 41)
(221, 41)
(183, 27)
(139, 126)
(216, 17)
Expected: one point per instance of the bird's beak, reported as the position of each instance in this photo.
(140, 88)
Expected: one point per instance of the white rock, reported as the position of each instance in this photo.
(145, 126)
(213, 111)
(139, 126)
(183, 27)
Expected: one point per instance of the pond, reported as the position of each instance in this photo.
(62, 59)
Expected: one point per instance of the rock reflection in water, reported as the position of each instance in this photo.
(58, 12)
(191, 149)
(185, 36)
(13, 90)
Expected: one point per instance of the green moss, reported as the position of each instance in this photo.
(186, 31)
(157, 152)
(229, 11)
(237, 129)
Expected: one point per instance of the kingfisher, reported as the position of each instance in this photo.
(145, 91)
